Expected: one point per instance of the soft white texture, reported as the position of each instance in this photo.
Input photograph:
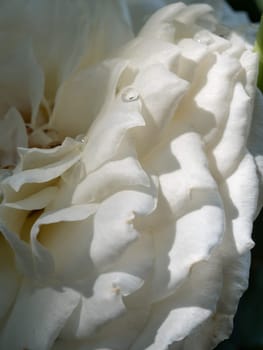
(129, 227)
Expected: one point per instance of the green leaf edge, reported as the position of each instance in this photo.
(259, 50)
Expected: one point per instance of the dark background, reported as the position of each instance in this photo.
(248, 324)
(250, 6)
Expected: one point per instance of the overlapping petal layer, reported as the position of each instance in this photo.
(135, 231)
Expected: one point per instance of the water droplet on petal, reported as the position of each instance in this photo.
(129, 95)
(81, 138)
(204, 38)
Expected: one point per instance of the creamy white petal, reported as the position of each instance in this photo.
(214, 97)
(231, 147)
(173, 319)
(43, 174)
(60, 40)
(50, 305)
(255, 140)
(12, 135)
(202, 228)
(242, 204)
(17, 65)
(160, 25)
(37, 201)
(111, 28)
(161, 107)
(137, 260)
(36, 158)
(113, 233)
(42, 166)
(117, 334)
(103, 305)
(182, 167)
(22, 252)
(192, 54)
(112, 177)
(44, 263)
(81, 97)
(7, 218)
(10, 279)
(218, 326)
(158, 108)
(235, 283)
(192, 13)
(142, 53)
(146, 236)
(110, 127)
(249, 62)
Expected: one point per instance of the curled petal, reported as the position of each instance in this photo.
(113, 233)
(44, 165)
(108, 291)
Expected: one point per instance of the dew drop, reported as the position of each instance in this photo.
(81, 138)
(204, 38)
(129, 95)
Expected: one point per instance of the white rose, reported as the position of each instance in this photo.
(134, 232)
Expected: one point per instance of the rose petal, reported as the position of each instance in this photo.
(22, 251)
(13, 135)
(53, 164)
(108, 131)
(241, 205)
(88, 89)
(17, 65)
(103, 306)
(173, 319)
(113, 233)
(10, 279)
(51, 306)
(202, 228)
(60, 40)
(231, 147)
(37, 201)
(159, 108)
(110, 178)
(44, 263)
(255, 139)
